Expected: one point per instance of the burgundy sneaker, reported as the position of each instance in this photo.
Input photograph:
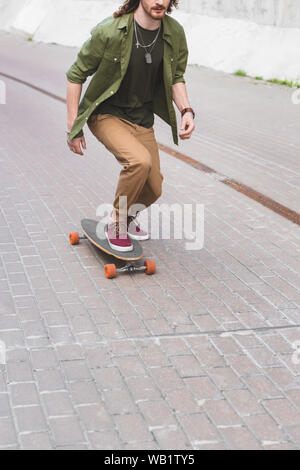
(134, 230)
(117, 237)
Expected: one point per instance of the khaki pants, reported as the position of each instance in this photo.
(136, 150)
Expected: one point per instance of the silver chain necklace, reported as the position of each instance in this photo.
(148, 56)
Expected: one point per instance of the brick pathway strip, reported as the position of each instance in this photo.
(34, 87)
(201, 356)
(274, 206)
(280, 209)
(237, 186)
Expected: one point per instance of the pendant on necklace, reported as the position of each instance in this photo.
(148, 58)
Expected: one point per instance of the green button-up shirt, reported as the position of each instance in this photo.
(106, 55)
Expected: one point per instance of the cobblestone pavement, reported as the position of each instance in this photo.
(202, 355)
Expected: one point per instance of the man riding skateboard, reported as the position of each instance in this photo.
(138, 57)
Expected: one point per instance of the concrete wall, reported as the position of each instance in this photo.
(9, 11)
(218, 33)
(284, 13)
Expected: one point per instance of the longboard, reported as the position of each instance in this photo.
(94, 232)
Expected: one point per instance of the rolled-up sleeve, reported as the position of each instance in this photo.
(182, 60)
(88, 58)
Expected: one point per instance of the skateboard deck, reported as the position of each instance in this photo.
(94, 232)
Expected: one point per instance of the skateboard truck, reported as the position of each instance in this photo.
(111, 270)
(130, 267)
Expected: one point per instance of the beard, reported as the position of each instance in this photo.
(156, 14)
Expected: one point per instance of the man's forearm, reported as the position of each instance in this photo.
(180, 97)
(73, 97)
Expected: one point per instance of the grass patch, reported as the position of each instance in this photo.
(277, 81)
(289, 83)
(30, 38)
(240, 73)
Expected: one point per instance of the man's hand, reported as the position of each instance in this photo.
(187, 126)
(76, 144)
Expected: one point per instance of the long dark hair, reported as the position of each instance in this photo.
(131, 5)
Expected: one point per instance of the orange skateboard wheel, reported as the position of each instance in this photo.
(150, 266)
(74, 238)
(110, 271)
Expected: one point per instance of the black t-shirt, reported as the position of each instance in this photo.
(134, 99)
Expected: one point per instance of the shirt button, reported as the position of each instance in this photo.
(115, 59)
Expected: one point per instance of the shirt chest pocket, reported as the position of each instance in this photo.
(111, 65)
(111, 57)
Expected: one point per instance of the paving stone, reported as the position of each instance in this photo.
(282, 378)
(123, 348)
(106, 440)
(99, 356)
(106, 377)
(261, 386)
(43, 359)
(57, 404)
(132, 428)
(73, 447)
(49, 380)
(130, 366)
(294, 432)
(66, 431)
(17, 355)
(279, 446)
(7, 432)
(172, 439)
(142, 388)
(35, 441)
(187, 366)
(174, 346)
(205, 352)
(61, 335)
(224, 378)
(202, 388)
(243, 402)
(148, 445)
(198, 428)
(119, 402)
(264, 428)
(76, 370)
(282, 411)
(294, 397)
(13, 339)
(24, 394)
(69, 352)
(157, 413)
(84, 393)
(30, 419)
(19, 372)
(182, 402)
(4, 405)
(240, 439)
(95, 417)
(152, 355)
(221, 413)
(166, 378)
